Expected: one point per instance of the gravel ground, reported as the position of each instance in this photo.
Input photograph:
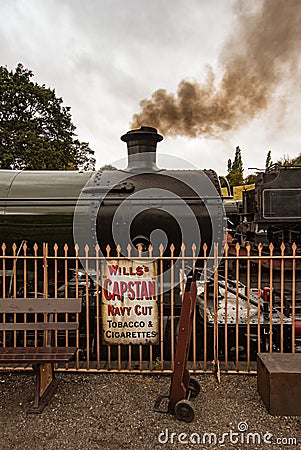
(115, 411)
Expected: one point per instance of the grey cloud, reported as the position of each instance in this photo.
(104, 56)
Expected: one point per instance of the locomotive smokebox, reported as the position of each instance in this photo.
(142, 147)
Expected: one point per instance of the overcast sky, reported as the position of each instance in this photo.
(104, 56)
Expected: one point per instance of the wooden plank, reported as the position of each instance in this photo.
(36, 355)
(39, 326)
(8, 273)
(40, 305)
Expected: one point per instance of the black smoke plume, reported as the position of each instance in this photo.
(263, 50)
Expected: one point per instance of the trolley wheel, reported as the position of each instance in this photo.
(194, 387)
(184, 411)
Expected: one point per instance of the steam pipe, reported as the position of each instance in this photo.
(142, 148)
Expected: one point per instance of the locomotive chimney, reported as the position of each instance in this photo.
(142, 146)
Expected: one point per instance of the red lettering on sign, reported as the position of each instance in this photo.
(113, 269)
(106, 285)
(137, 284)
(119, 310)
(151, 289)
(139, 270)
(131, 290)
(123, 287)
(115, 291)
(139, 290)
(142, 310)
(144, 291)
(110, 310)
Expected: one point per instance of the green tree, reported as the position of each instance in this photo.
(297, 160)
(235, 169)
(229, 165)
(108, 167)
(287, 161)
(36, 131)
(250, 179)
(268, 161)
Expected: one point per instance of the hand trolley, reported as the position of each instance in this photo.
(183, 387)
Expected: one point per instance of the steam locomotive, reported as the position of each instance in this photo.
(271, 212)
(44, 206)
(139, 205)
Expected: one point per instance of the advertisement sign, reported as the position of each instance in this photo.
(129, 302)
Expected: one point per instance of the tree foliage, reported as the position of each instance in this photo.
(287, 161)
(235, 169)
(250, 179)
(36, 131)
(108, 167)
(268, 162)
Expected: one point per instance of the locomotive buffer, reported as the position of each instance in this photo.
(183, 387)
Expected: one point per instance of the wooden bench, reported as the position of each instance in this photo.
(21, 315)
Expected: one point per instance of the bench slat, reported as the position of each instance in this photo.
(39, 326)
(40, 305)
(31, 355)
